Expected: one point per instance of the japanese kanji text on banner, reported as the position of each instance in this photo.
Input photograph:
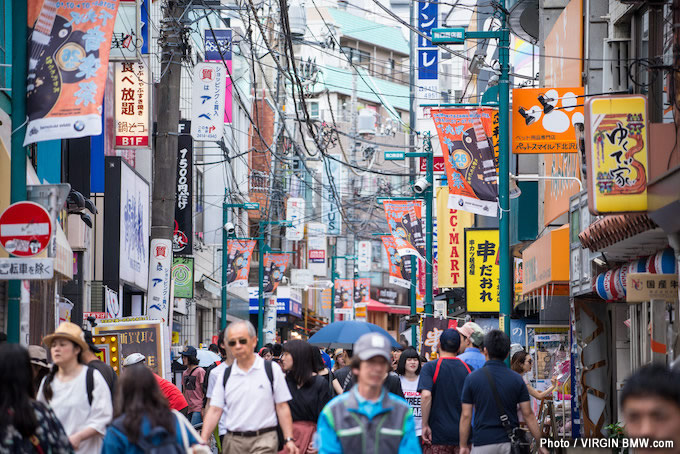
(68, 62)
(238, 265)
(132, 104)
(616, 152)
(406, 226)
(207, 102)
(470, 159)
(274, 268)
(400, 268)
(482, 270)
(451, 225)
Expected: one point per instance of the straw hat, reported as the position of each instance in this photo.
(69, 331)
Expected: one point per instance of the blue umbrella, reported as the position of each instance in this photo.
(344, 334)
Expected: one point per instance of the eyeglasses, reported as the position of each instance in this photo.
(242, 341)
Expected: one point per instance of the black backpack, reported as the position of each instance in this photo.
(208, 370)
(167, 445)
(270, 376)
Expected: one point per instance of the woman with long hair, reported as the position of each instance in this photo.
(408, 370)
(521, 363)
(78, 394)
(323, 371)
(310, 392)
(143, 418)
(26, 426)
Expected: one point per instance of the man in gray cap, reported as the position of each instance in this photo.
(346, 424)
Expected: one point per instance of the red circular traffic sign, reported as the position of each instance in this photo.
(25, 229)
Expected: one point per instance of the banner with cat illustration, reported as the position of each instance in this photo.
(238, 262)
(274, 268)
(404, 217)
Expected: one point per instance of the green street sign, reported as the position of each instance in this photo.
(251, 206)
(448, 35)
(394, 156)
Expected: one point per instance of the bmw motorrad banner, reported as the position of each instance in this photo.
(274, 268)
(400, 267)
(68, 61)
(470, 158)
(404, 217)
(182, 237)
(238, 263)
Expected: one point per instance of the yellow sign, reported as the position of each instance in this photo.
(482, 272)
(616, 153)
(451, 225)
(641, 287)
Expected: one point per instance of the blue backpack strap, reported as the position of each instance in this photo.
(89, 383)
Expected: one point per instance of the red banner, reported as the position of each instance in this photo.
(406, 226)
(68, 64)
(466, 137)
(352, 291)
(238, 264)
(400, 268)
(274, 268)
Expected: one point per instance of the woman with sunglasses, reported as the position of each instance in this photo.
(521, 363)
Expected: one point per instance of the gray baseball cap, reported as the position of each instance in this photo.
(371, 345)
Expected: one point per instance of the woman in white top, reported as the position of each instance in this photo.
(408, 369)
(83, 415)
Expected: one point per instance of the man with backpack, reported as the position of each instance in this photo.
(440, 385)
(254, 394)
(192, 381)
(494, 392)
(90, 358)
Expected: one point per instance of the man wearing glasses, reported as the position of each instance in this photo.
(255, 397)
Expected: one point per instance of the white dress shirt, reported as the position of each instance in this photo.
(248, 399)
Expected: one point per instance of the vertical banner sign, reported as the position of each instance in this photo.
(400, 268)
(113, 307)
(344, 289)
(518, 280)
(364, 256)
(451, 225)
(207, 102)
(274, 268)
(406, 226)
(295, 214)
(330, 211)
(482, 271)
(134, 229)
(183, 276)
(316, 248)
(68, 60)
(158, 299)
(128, 39)
(616, 152)
(218, 49)
(428, 83)
(238, 265)
(269, 323)
(471, 163)
(432, 330)
(362, 290)
(131, 104)
(182, 237)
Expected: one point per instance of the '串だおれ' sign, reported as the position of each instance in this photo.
(482, 270)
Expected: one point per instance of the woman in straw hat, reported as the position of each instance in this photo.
(83, 410)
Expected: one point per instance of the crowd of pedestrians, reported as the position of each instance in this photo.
(296, 398)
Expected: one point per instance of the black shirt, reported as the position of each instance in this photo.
(107, 372)
(392, 383)
(308, 401)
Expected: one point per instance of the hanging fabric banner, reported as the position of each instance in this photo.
(451, 225)
(274, 268)
(68, 60)
(400, 270)
(362, 290)
(466, 137)
(406, 226)
(238, 265)
(343, 295)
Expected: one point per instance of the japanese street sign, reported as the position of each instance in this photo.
(643, 287)
(22, 268)
(25, 229)
(158, 295)
(69, 59)
(394, 156)
(207, 120)
(616, 153)
(132, 104)
(364, 256)
(448, 35)
(451, 225)
(218, 49)
(333, 181)
(295, 214)
(251, 206)
(183, 276)
(482, 270)
(183, 234)
(127, 40)
(438, 164)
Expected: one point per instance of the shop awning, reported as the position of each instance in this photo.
(546, 260)
(612, 229)
(376, 306)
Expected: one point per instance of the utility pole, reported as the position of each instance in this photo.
(18, 164)
(165, 153)
(412, 145)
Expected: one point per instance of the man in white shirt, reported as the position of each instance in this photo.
(252, 403)
(216, 376)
